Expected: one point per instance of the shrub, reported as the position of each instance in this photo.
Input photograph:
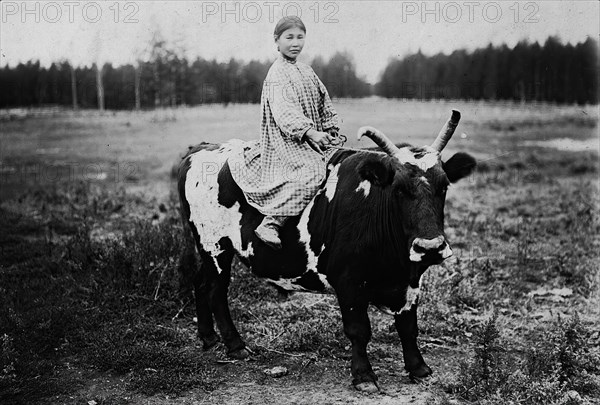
(485, 373)
(554, 364)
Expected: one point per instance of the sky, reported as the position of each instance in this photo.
(371, 31)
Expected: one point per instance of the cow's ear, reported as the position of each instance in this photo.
(459, 166)
(378, 171)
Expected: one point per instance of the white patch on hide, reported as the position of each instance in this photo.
(426, 162)
(305, 235)
(331, 182)
(412, 294)
(428, 244)
(424, 180)
(385, 310)
(288, 284)
(248, 252)
(447, 252)
(365, 187)
(415, 256)
(216, 252)
(212, 220)
(291, 284)
(328, 287)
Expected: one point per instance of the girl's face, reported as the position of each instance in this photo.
(291, 42)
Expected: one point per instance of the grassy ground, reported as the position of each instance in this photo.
(91, 309)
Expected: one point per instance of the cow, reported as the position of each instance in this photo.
(375, 225)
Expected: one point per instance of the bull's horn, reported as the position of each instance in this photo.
(446, 133)
(379, 138)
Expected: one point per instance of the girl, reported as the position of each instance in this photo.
(281, 174)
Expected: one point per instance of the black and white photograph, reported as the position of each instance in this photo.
(300, 202)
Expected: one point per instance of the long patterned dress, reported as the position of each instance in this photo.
(281, 173)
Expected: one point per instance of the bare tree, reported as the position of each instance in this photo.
(138, 101)
(73, 87)
(97, 48)
(99, 86)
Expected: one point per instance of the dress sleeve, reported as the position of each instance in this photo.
(285, 106)
(328, 114)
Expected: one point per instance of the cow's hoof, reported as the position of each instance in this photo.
(239, 354)
(209, 342)
(368, 386)
(419, 373)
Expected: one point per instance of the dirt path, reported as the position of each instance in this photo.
(285, 390)
(329, 393)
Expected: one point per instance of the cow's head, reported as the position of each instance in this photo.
(417, 180)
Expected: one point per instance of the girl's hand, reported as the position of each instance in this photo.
(321, 139)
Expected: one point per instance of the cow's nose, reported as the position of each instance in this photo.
(421, 247)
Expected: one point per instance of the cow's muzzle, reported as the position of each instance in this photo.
(430, 250)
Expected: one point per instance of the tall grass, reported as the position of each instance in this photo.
(101, 299)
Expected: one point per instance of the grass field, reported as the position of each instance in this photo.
(91, 308)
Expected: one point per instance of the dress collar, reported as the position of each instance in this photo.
(287, 60)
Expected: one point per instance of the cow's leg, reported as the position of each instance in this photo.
(192, 274)
(354, 303)
(406, 325)
(211, 284)
(206, 330)
(219, 304)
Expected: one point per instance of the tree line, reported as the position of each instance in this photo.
(554, 72)
(166, 78)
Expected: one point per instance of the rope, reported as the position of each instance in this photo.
(345, 148)
(341, 140)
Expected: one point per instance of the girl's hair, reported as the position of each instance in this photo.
(286, 23)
